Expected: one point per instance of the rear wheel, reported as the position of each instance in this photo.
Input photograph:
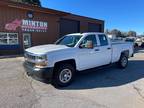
(123, 62)
(64, 75)
(142, 45)
(135, 45)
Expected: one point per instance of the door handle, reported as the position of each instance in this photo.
(108, 48)
(97, 49)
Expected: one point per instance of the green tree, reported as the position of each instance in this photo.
(132, 33)
(33, 2)
(124, 34)
(107, 31)
(116, 32)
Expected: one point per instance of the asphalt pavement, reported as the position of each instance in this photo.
(109, 87)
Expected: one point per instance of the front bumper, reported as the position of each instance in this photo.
(41, 73)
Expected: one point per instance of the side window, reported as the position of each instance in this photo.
(90, 38)
(103, 40)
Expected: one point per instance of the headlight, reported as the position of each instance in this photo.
(41, 58)
(41, 61)
(41, 64)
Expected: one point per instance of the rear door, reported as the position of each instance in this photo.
(105, 49)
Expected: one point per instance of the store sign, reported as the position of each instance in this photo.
(27, 26)
(34, 26)
(13, 25)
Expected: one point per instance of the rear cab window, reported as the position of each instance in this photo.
(103, 40)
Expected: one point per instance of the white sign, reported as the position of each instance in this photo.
(34, 26)
(27, 25)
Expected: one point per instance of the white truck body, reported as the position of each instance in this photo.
(75, 52)
(84, 58)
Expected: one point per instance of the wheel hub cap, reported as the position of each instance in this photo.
(65, 75)
(124, 61)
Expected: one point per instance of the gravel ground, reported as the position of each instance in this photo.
(106, 88)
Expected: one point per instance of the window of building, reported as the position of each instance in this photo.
(8, 38)
(103, 40)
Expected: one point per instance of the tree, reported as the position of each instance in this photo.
(119, 33)
(107, 31)
(116, 32)
(124, 34)
(132, 33)
(33, 2)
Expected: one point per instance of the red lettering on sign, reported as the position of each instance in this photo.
(13, 25)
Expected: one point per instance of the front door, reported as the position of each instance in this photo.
(26, 40)
(88, 58)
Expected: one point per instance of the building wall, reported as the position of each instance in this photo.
(84, 21)
(10, 13)
(7, 15)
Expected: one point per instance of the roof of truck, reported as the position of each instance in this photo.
(85, 33)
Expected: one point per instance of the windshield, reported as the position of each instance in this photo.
(69, 41)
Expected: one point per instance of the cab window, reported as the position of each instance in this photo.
(90, 38)
(103, 40)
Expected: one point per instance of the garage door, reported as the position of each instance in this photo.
(94, 27)
(69, 26)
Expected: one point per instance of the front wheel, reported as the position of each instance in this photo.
(123, 62)
(64, 75)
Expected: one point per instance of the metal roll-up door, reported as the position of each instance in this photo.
(94, 27)
(69, 26)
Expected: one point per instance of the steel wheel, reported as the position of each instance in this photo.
(123, 62)
(65, 75)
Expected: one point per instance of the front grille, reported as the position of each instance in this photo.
(30, 57)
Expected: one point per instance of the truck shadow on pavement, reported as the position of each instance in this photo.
(108, 77)
(139, 50)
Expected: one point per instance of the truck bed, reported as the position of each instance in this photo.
(113, 42)
(118, 47)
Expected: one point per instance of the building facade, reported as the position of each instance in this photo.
(23, 26)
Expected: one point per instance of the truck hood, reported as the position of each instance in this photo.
(43, 49)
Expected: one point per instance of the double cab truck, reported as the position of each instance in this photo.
(72, 53)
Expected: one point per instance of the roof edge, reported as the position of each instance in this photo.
(13, 4)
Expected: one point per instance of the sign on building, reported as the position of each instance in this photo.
(27, 26)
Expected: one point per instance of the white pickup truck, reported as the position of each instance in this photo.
(72, 53)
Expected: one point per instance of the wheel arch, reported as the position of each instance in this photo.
(69, 61)
(125, 52)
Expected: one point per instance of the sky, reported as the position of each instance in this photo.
(124, 15)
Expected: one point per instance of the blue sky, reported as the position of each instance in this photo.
(124, 15)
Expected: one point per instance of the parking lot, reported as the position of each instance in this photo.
(106, 88)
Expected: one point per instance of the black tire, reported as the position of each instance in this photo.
(135, 45)
(123, 62)
(61, 74)
(142, 45)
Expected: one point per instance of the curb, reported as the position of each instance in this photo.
(10, 56)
